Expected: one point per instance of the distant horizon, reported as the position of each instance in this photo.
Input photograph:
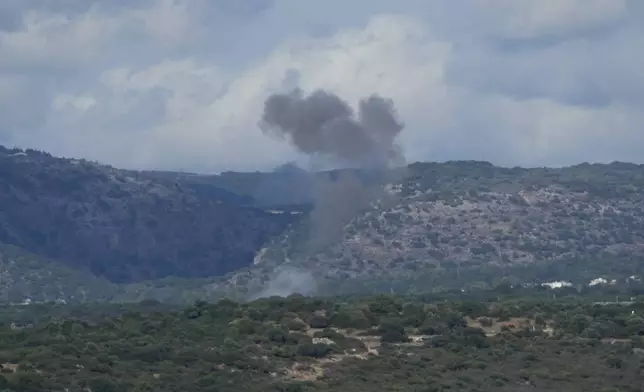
(211, 173)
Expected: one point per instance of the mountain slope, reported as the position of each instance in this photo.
(26, 278)
(181, 237)
(125, 226)
(472, 215)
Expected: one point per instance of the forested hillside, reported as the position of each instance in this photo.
(89, 231)
(124, 226)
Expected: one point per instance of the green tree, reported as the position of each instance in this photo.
(392, 331)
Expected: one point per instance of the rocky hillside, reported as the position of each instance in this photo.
(127, 226)
(180, 236)
(464, 215)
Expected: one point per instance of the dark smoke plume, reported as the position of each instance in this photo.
(323, 124)
(326, 128)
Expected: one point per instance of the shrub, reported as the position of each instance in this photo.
(315, 350)
(296, 325)
(486, 321)
(392, 331)
(318, 321)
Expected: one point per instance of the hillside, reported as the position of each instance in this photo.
(518, 341)
(179, 236)
(28, 278)
(123, 225)
(467, 216)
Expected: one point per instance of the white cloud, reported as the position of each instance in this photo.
(76, 103)
(55, 40)
(536, 18)
(180, 83)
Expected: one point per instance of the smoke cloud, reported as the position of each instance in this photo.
(287, 281)
(326, 128)
(322, 124)
(338, 196)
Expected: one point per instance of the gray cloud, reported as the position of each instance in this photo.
(169, 83)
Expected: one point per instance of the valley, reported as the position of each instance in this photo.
(79, 231)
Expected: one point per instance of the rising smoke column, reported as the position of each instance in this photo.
(324, 126)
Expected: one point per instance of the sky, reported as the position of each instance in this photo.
(180, 84)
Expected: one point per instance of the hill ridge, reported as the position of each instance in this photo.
(170, 233)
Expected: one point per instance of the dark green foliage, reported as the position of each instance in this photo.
(318, 321)
(464, 337)
(124, 225)
(229, 346)
(296, 325)
(350, 318)
(103, 384)
(392, 331)
(317, 350)
(25, 275)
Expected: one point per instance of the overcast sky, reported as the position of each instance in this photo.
(180, 84)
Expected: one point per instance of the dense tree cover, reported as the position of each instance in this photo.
(499, 342)
(127, 226)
